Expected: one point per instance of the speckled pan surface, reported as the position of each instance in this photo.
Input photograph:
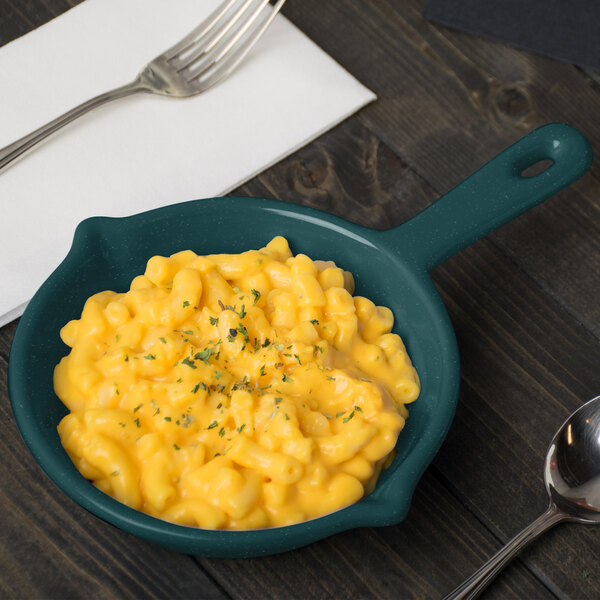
(391, 268)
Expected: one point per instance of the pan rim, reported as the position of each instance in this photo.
(374, 510)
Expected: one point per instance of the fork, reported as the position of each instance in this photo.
(197, 62)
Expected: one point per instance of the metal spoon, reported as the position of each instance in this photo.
(572, 477)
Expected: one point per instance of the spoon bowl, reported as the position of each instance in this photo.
(572, 467)
(572, 478)
(390, 267)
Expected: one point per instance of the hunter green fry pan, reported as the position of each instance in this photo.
(390, 267)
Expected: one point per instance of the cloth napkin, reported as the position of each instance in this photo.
(143, 151)
(561, 29)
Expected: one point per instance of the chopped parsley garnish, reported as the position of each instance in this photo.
(213, 320)
(329, 378)
(150, 357)
(244, 332)
(137, 422)
(278, 400)
(243, 311)
(195, 388)
(162, 339)
(297, 358)
(286, 378)
(241, 428)
(256, 295)
(285, 416)
(138, 407)
(222, 432)
(314, 321)
(185, 304)
(186, 420)
(338, 415)
(167, 419)
(346, 419)
(266, 343)
(262, 371)
(114, 473)
(186, 331)
(176, 447)
(189, 363)
(204, 355)
(213, 425)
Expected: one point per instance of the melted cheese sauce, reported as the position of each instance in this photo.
(234, 391)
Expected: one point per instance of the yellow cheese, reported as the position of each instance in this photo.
(234, 391)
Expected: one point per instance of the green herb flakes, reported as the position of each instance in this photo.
(346, 419)
(204, 355)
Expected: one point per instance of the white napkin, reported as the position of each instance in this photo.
(143, 151)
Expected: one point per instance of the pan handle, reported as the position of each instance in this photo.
(493, 195)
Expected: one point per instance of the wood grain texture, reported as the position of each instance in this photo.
(522, 301)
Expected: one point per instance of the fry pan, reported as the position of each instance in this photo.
(390, 267)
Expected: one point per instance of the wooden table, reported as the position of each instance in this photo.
(523, 302)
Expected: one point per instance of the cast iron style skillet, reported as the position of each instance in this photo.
(390, 267)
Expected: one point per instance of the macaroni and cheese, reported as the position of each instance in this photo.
(234, 391)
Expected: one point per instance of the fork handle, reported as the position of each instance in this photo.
(16, 149)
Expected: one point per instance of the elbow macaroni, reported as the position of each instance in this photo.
(234, 391)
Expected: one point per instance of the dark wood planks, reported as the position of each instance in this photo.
(18, 18)
(448, 102)
(522, 302)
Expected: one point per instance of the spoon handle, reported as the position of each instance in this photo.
(474, 585)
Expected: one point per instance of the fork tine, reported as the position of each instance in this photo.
(223, 39)
(199, 31)
(228, 61)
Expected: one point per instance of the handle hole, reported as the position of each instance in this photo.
(537, 168)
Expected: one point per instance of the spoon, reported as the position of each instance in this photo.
(572, 477)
